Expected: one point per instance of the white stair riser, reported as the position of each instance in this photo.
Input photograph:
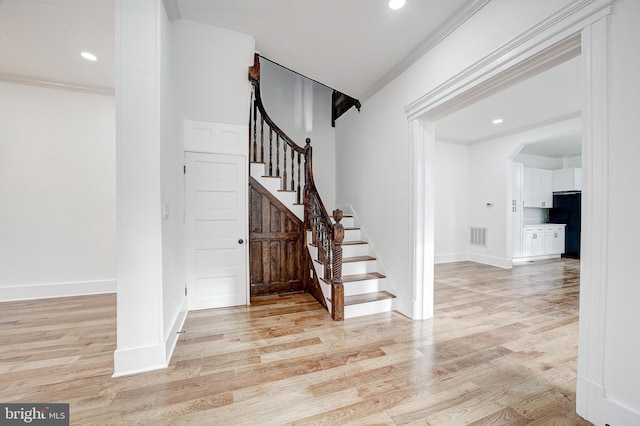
(352, 311)
(355, 250)
(257, 170)
(362, 287)
(352, 268)
(352, 235)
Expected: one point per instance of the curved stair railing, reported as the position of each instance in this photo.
(282, 158)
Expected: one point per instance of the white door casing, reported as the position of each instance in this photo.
(215, 230)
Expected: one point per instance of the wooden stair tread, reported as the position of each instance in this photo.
(361, 277)
(274, 177)
(367, 297)
(357, 259)
(353, 243)
(358, 277)
(351, 229)
(286, 190)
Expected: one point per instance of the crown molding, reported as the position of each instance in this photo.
(464, 12)
(555, 39)
(50, 84)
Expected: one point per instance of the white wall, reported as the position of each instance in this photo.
(302, 109)
(57, 186)
(572, 161)
(621, 372)
(539, 161)
(212, 66)
(451, 177)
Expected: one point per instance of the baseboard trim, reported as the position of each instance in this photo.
(171, 340)
(491, 261)
(519, 260)
(139, 360)
(50, 290)
(594, 406)
(473, 257)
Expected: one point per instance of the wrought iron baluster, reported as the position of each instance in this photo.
(262, 139)
(284, 173)
(278, 155)
(298, 194)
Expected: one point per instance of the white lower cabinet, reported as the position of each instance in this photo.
(542, 240)
(558, 241)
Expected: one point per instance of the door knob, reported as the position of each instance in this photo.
(240, 241)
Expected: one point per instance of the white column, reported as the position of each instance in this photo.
(421, 228)
(590, 394)
(139, 230)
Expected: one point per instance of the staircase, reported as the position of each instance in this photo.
(364, 283)
(344, 264)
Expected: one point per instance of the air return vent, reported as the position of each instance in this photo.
(478, 236)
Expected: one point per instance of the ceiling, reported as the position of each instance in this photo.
(354, 46)
(41, 40)
(348, 45)
(546, 98)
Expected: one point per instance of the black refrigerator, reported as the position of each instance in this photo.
(566, 209)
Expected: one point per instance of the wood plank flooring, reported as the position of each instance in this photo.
(501, 350)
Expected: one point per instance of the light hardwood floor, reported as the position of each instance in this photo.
(501, 350)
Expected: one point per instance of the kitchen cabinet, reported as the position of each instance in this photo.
(569, 179)
(532, 241)
(557, 235)
(537, 189)
(542, 240)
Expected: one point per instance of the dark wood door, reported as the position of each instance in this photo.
(276, 245)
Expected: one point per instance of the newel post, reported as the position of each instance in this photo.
(254, 71)
(337, 289)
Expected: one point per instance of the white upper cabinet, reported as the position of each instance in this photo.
(537, 187)
(569, 179)
(518, 184)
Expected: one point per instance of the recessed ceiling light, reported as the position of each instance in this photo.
(497, 121)
(89, 56)
(396, 4)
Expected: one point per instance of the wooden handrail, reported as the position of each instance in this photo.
(325, 235)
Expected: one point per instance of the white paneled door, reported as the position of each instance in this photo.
(216, 230)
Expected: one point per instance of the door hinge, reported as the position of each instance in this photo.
(184, 170)
(185, 291)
